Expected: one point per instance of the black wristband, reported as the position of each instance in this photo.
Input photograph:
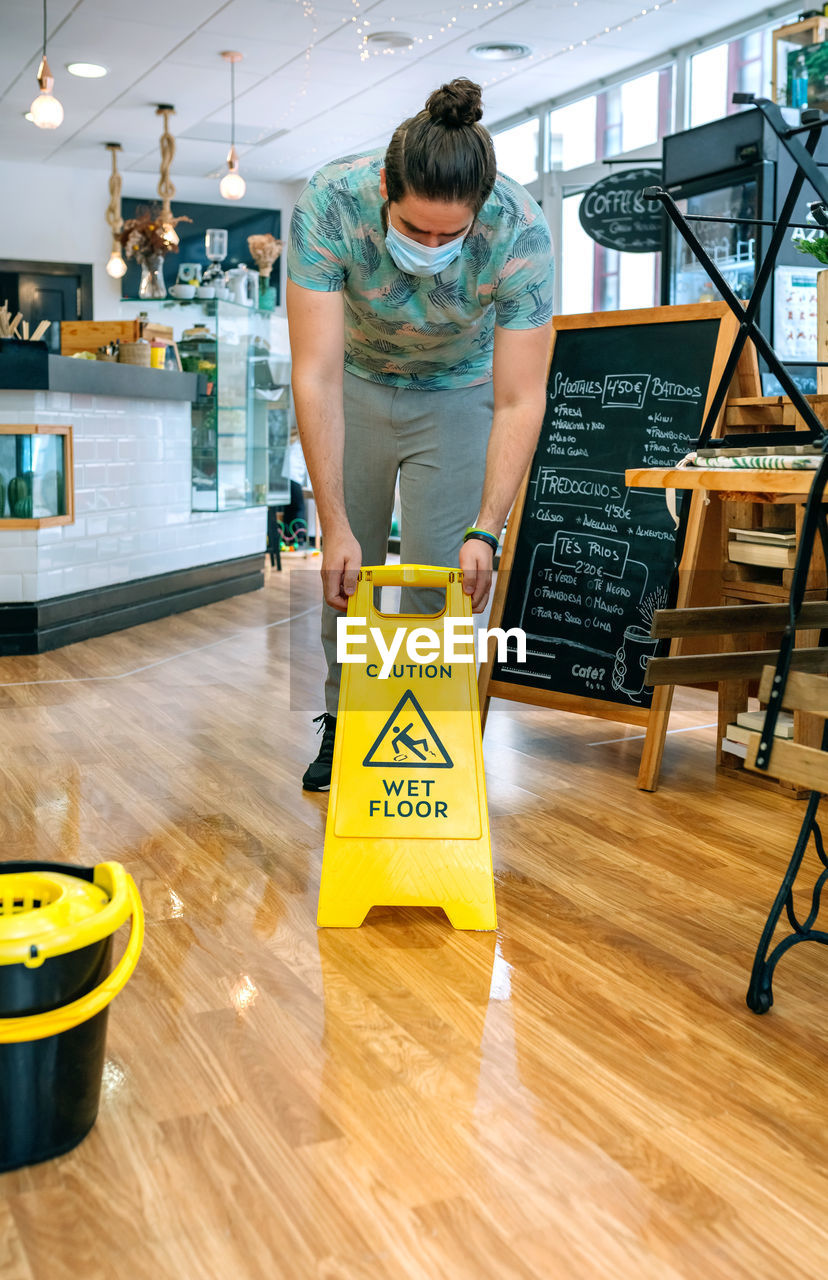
(484, 536)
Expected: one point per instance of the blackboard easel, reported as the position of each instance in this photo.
(614, 414)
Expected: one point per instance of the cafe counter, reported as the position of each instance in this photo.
(97, 527)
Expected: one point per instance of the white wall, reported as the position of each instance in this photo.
(57, 215)
(133, 489)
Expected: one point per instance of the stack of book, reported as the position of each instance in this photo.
(748, 722)
(770, 548)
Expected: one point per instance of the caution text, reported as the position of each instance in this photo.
(454, 642)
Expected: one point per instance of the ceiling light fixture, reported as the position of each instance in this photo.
(390, 39)
(47, 113)
(115, 267)
(165, 188)
(500, 51)
(232, 185)
(87, 70)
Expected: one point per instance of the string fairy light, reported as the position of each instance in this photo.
(570, 48)
(449, 23)
(361, 26)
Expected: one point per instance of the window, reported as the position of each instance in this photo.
(577, 265)
(742, 66)
(708, 85)
(635, 114)
(623, 118)
(597, 279)
(572, 135)
(516, 151)
(609, 127)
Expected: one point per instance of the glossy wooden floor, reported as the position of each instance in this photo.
(583, 1096)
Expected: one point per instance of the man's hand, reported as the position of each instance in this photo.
(341, 563)
(476, 559)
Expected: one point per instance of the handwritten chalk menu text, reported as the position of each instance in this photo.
(593, 560)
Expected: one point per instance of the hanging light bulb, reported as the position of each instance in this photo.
(115, 267)
(46, 111)
(232, 185)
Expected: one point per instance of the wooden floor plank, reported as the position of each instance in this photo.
(581, 1094)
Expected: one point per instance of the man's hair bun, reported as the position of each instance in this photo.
(456, 104)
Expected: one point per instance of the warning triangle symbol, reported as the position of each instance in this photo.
(408, 740)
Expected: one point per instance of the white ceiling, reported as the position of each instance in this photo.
(304, 93)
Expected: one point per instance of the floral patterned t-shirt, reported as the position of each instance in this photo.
(429, 332)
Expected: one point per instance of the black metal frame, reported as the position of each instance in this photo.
(760, 990)
(807, 169)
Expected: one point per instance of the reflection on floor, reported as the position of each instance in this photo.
(583, 1095)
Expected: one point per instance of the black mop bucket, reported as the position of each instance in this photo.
(56, 928)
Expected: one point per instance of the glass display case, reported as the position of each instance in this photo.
(732, 248)
(36, 476)
(241, 417)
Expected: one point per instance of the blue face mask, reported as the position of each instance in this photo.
(417, 259)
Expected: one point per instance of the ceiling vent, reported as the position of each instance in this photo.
(498, 51)
(390, 39)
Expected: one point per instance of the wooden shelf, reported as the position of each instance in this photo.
(778, 486)
(750, 499)
(809, 31)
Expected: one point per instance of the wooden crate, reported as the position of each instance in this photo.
(88, 335)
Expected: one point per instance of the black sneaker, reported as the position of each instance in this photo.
(317, 776)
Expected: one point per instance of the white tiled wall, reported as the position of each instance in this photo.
(132, 500)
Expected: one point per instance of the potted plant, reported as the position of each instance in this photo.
(818, 248)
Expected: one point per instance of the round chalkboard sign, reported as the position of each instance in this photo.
(617, 215)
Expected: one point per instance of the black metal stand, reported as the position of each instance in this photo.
(813, 522)
(806, 169)
(760, 990)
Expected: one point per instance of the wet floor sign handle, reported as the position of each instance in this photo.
(408, 823)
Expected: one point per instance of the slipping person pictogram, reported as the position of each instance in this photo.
(397, 746)
(402, 736)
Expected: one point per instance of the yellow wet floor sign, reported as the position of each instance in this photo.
(407, 820)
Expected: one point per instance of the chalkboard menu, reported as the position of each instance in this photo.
(592, 559)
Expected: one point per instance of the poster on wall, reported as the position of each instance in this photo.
(795, 313)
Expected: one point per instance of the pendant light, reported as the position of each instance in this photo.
(165, 188)
(115, 267)
(232, 185)
(46, 112)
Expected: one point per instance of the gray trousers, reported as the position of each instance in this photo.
(436, 441)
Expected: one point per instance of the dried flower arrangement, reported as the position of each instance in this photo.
(264, 250)
(146, 235)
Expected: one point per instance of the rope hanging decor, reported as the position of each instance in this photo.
(166, 190)
(115, 267)
(113, 212)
